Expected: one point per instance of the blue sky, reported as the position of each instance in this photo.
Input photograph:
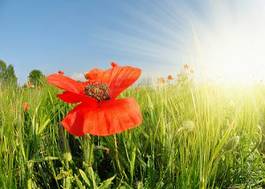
(77, 35)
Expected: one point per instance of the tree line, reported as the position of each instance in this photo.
(8, 76)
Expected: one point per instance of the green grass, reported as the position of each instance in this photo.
(192, 136)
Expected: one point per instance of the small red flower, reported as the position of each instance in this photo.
(25, 106)
(99, 112)
(170, 77)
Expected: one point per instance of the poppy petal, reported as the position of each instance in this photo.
(109, 118)
(65, 83)
(96, 74)
(70, 97)
(122, 78)
(93, 74)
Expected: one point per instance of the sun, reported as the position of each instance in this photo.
(232, 48)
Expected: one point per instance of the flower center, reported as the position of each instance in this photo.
(98, 91)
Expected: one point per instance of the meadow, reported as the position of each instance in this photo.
(192, 136)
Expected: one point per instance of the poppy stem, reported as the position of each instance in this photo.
(88, 149)
(65, 146)
(117, 154)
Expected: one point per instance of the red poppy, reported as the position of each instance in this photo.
(170, 77)
(25, 106)
(99, 112)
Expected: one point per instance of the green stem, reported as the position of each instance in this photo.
(117, 155)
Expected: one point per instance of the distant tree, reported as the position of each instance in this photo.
(10, 75)
(2, 66)
(36, 77)
(7, 74)
(2, 69)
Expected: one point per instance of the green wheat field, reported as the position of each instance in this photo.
(192, 136)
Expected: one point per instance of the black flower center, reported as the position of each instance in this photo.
(98, 91)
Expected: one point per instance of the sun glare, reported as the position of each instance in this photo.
(232, 48)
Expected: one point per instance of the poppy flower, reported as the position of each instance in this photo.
(99, 112)
(170, 77)
(25, 106)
